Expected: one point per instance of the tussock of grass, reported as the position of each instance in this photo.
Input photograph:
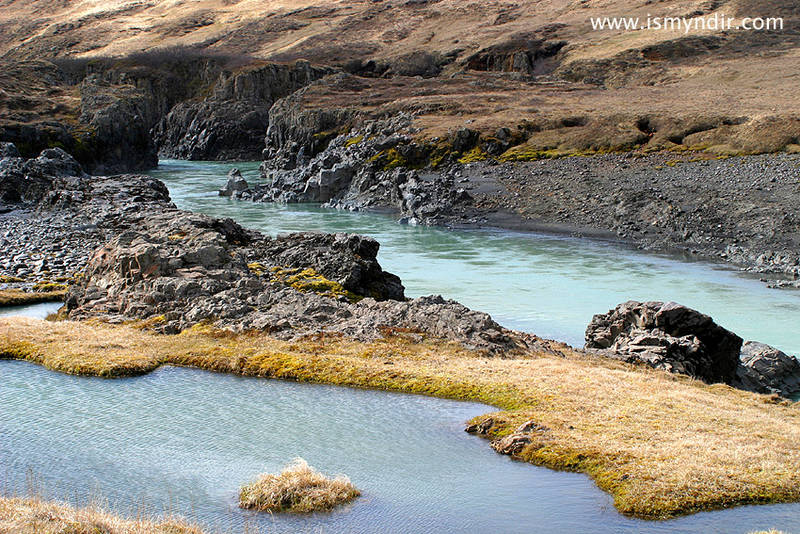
(17, 297)
(299, 488)
(661, 444)
(49, 287)
(35, 516)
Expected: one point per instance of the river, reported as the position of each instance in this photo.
(184, 440)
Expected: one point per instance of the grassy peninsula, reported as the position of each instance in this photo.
(663, 445)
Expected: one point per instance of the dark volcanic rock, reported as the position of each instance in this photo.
(361, 169)
(235, 186)
(765, 369)
(667, 336)
(349, 259)
(178, 269)
(27, 181)
(8, 150)
(230, 124)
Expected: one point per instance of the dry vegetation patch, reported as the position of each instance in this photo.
(17, 297)
(299, 488)
(661, 444)
(35, 516)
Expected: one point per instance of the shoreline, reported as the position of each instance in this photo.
(736, 210)
(537, 387)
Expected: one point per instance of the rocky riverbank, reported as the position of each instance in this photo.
(137, 257)
(128, 254)
(737, 210)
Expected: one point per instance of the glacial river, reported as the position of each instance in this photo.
(547, 285)
(184, 440)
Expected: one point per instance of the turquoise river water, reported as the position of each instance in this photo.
(184, 440)
(547, 285)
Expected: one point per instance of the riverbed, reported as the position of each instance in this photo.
(548, 285)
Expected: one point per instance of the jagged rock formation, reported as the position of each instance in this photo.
(183, 104)
(176, 269)
(765, 369)
(667, 336)
(230, 124)
(364, 168)
(27, 181)
(681, 340)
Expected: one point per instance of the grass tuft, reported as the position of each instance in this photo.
(49, 287)
(354, 141)
(36, 516)
(299, 488)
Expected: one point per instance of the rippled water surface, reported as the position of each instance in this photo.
(547, 285)
(186, 439)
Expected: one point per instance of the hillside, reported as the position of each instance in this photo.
(535, 66)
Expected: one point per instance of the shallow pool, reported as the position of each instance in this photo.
(185, 440)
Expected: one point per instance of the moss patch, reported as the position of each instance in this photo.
(354, 140)
(310, 281)
(49, 287)
(473, 156)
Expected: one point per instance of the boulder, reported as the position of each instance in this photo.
(8, 150)
(667, 336)
(765, 369)
(29, 181)
(236, 184)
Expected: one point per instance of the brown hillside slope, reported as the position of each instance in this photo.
(527, 60)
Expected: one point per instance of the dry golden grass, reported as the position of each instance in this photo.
(661, 444)
(298, 488)
(35, 516)
(17, 297)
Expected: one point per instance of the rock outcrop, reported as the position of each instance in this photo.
(230, 124)
(667, 336)
(27, 181)
(365, 168)
(765, 369)
(235, 186)
(177, 269)
(681, 340)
